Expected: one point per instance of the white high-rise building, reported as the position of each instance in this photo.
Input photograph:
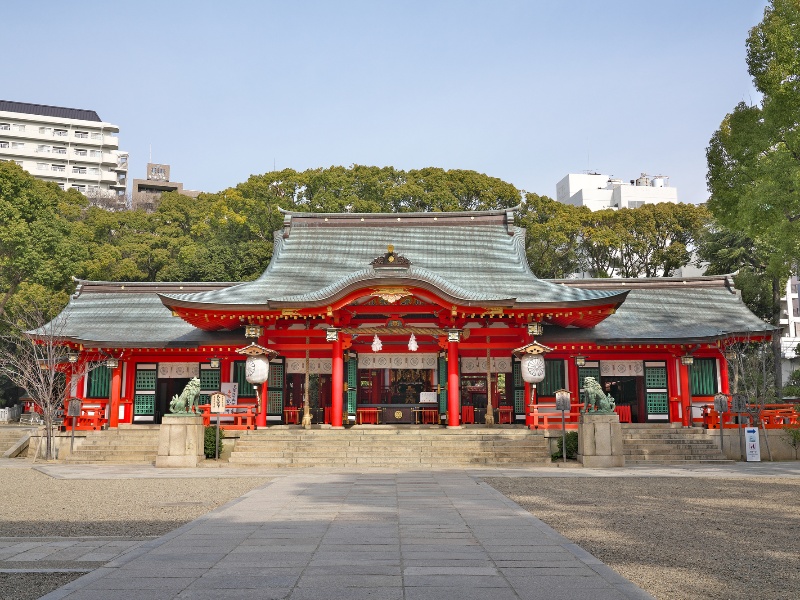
(598, 192)
(69, 146)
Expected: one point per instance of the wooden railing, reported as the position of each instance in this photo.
(773, 416)
(241, 417)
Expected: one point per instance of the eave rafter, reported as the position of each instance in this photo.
(372, 303)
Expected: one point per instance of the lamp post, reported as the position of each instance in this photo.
(257, 374)
(532, 369)
(562, 404)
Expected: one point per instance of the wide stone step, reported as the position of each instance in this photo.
(672, 461)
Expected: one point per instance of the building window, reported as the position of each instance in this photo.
(59, 150)
(57, 168)
(60, 132)
(42, 167)
(704, 377)
(3, 144)
(98, 383)
(80, 152)
(94, 187)
(45, 130)
(5, 127)
(96, 136)
(94, 171)
(61, 184)
(17, 144)
(17, 127)
(79, 187)
(95, 153)
(82, 134)
(79, 170)
(43, 148)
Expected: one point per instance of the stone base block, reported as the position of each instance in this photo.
(600, 441)
(180, 441)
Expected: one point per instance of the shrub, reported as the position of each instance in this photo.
(792, 435)
(572, 446)
(210, 441)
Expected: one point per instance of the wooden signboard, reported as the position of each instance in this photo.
(218, 403)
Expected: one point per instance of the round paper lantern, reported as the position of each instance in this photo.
(256, 369)
(532, 368)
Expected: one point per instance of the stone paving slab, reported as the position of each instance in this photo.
(393, 536)
(62, 554)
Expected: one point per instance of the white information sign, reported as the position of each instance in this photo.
(231, 391)
(218, 402)
(753, 445)
(427, 397)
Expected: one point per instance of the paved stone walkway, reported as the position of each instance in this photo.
(51, 554)
(382, 536)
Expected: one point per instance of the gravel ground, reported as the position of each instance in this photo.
(34, 505)
(678, 538)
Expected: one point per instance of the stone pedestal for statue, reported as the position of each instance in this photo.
(600, 441)
(181, 441)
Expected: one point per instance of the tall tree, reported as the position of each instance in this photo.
(754, 157)
(38, 244)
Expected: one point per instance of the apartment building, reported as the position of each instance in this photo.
(71, 147)
(599, 191)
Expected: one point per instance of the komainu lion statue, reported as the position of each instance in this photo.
(187, 401)
(596, 399)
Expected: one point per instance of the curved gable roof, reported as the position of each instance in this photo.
(466, 258)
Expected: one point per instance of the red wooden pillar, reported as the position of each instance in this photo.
(686, 399)
(453, 387)
(673, 390)
(261, 417)
(130, 390)
(224, 370)
(337, 385)
(725, 384)
(527, 403)
(116, 390)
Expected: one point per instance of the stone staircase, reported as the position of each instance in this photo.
(662, 444)
(9, 436)
(127, 444)
(392, 447)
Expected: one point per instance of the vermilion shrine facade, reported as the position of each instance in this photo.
(405, 318)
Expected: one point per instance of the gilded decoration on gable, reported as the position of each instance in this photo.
(290, 312)
(391, 259)
(391, 294)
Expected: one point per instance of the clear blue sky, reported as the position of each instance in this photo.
(526, 91)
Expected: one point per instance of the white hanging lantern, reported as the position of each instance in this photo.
(256, 369)
(532, 368)
(376, 344)
(412, 343)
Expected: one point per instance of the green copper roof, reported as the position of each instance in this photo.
(466, 258)
(661, 314)
(656, 310)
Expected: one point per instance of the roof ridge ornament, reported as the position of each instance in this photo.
(391, 260)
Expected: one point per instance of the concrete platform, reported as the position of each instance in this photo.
(410, 535)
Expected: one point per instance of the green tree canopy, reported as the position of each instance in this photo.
(754, 157)
(38, 241)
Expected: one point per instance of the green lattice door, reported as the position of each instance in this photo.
(519, 388)
(275, 388)
(351, 378)
(655, 393)
(209, 383)
(144, 396)
(442, 377)
(584, 372)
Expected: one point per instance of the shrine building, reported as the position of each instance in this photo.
(400, 319)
